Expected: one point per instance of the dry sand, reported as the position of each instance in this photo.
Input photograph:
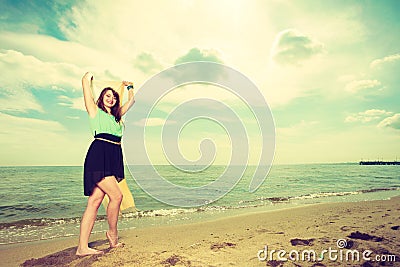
(235, 241)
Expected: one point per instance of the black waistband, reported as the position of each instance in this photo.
(107, 136)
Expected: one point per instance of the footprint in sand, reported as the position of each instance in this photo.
(218, 246)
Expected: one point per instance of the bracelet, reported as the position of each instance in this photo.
(129, 87)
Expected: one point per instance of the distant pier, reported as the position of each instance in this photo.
(378, 162)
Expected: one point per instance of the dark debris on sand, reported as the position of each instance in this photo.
(364, 236)
(174, 260)
(302, 242)
(275, 263)
(60, 259)
(218, 246)
(64, 258)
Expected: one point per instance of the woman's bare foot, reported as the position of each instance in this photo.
(88, 251)
(113, 241)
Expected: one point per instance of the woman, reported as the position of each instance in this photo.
(103, 167)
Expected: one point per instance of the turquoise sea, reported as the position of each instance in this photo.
(40, 202)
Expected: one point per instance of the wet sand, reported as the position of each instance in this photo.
(251, 239)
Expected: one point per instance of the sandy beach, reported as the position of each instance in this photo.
(336, 232)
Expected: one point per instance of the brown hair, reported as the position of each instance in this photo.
(115, 110)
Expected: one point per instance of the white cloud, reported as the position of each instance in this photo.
(68, 57)
(376, 112)
(373, 86)
(21, 73)
(291, 47)
(387, 70)
(147, 63)
(392, 122)
(18, 68)
(18, 98)
(196, 54)
(368, 115)
(75, 103)
(283, 78)
(386, 60)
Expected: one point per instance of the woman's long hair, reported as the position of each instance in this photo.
(115, 110)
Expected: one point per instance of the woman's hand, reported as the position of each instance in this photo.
(126, 83)
(90, 104)
(88, 76)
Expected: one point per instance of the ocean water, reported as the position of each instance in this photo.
(39, 203)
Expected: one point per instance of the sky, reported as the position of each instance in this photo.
(329, 71)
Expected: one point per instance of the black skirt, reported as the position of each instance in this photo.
(102, 159)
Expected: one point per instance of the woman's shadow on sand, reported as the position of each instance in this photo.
(66, 257)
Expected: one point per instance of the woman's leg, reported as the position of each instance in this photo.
(87, 222)
(110, 186)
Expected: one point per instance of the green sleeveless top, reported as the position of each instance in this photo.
(105, 123)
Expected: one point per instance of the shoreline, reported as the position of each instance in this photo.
(51, 229)
(233, 240)
(28, 231)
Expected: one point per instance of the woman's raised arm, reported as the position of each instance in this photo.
(131, 99)
(90, 105)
